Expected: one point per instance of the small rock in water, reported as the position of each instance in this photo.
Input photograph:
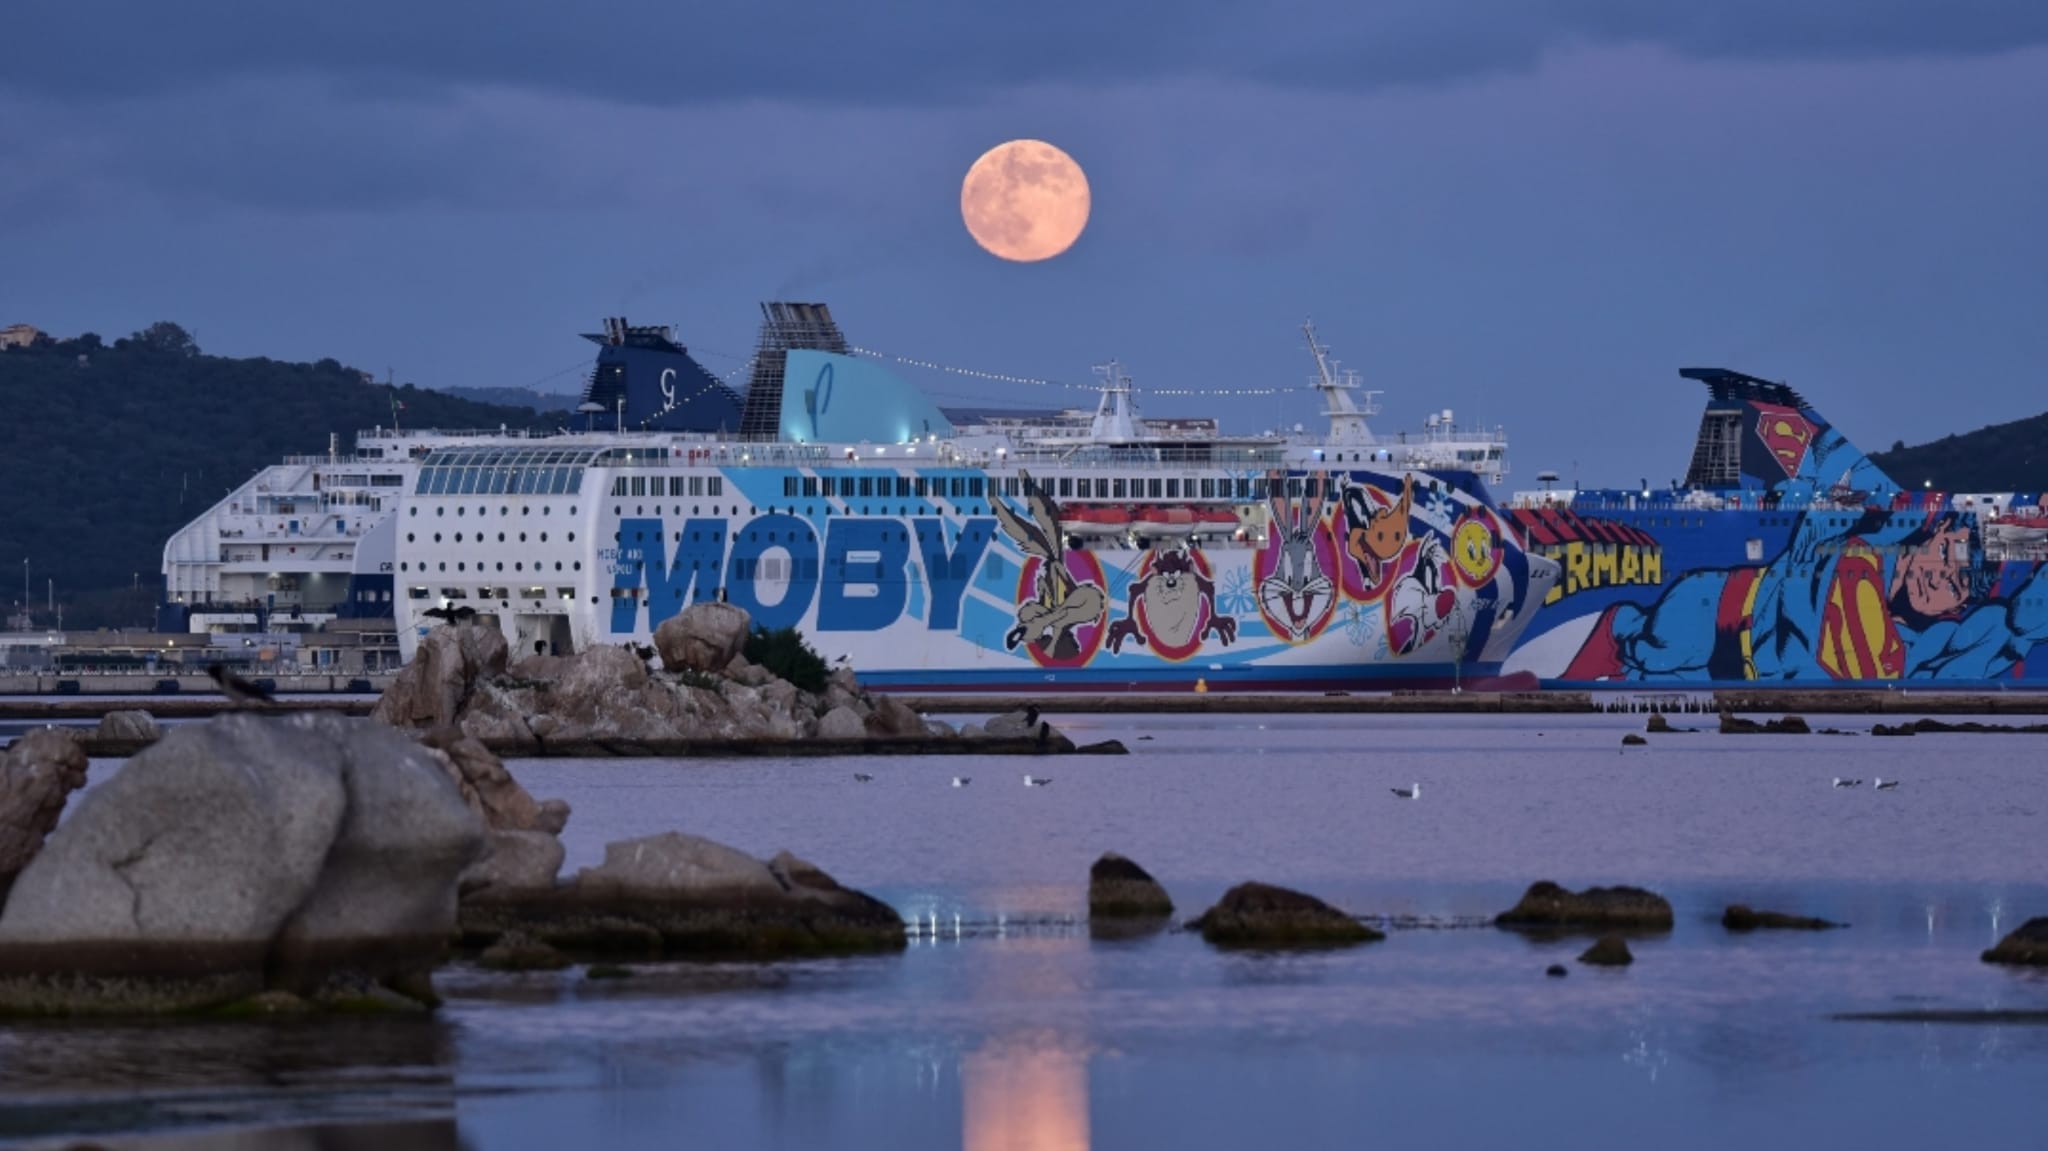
(1119, 888)
(1105, 747)
(1546, 904)
(1633, 740)
(1261, 915)
(1739, 917)
(1608, 951)
(2027, 946)
(1556, 971)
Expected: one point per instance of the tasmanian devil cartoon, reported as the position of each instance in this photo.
(1061, 603)
(1375, 535)
(1173, 595)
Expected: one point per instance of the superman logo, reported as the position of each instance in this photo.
(1786, 433)
(1859, 639)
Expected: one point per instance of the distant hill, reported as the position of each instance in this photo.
(2001, 458)
(106, 450)
(517, 398)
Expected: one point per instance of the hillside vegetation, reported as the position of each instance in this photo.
(2001, 458)
(108, 449)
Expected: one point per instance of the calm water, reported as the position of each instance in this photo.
(1005, 1026)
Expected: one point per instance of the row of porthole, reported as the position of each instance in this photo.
(501, 537)
(517, 566)
(503, 510)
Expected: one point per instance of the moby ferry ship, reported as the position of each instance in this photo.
(949, 550)
(1787, 556)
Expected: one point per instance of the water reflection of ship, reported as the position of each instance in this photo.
(1024, 1094)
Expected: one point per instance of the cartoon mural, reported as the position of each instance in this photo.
(1296, 592)
(1062, 602)
(1376, 531)
(1879, 601)
(1791, 557)
(1172, 605)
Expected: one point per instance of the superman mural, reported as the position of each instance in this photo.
(1880, 601)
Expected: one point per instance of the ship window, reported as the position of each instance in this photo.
(902, 487)
(416, 592)
(1066, 486)
(974, 486)
(717, 486)
(1173, 489)
(1117, 487)
(696, 485)
(789, 486)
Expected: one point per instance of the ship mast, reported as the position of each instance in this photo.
(1115, 418)
(1347, 418)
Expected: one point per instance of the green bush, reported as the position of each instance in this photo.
(785, 653)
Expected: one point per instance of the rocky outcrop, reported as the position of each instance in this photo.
(1607, 951)
(683, 895)
(1783, 725)
(1965, 727)
(1740, 917)
(703, 637)
(489, 789)
(709, 698)
(307, 854)
(1261, 915)
(1120, 889)
(436, 687)
(1546, 905)
(2027, 946)
(128, 726)
(38, 773)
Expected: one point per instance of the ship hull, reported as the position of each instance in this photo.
(951, 581)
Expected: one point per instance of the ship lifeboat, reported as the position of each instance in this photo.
(1095, 521)
(1216, 519)
(1165, 521)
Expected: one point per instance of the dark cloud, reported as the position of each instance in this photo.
(927, 51)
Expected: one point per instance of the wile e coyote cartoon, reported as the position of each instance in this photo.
(1060, 603)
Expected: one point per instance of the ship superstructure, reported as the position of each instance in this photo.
(1786, 556)
(999, 550)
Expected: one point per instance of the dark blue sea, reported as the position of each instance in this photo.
(1006, 1026)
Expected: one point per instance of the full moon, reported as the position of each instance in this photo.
(1025, 200)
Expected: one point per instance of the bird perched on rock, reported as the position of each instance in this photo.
(457, 615)
(238, 690)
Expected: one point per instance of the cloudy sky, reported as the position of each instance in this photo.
(1530, 211)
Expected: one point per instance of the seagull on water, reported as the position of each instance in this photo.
(1411, 792)
(1036, 780)
(1840, 782)
(962, 780)
(863, 777)
(1885, 784)
(238, 690)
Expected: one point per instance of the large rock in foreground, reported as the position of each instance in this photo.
(2026, 947)
(1546, 904)
(1120, 889)
(307, 853)
(1261, 915)
(38, 773)
(685, 896)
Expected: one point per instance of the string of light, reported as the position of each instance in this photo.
(1033, 381)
